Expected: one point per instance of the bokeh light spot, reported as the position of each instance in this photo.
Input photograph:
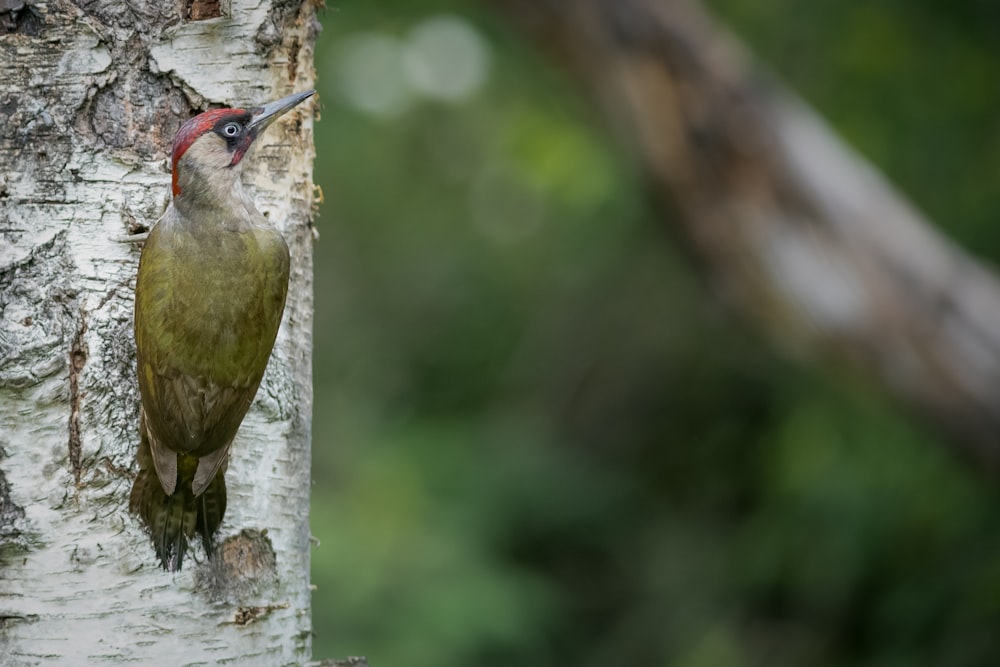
(370, 76)
(446, 58)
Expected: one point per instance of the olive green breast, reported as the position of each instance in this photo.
(209, 304)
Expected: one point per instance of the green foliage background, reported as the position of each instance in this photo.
(539, 442)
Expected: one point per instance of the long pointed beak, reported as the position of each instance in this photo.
(263, 116)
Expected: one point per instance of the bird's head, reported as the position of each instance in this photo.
(214, 142)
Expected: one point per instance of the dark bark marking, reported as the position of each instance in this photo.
(281, 21)
(8, 619)
(242, 566)
(132, 224)
(146, 17)
(293, 60)
(200, 10)
(272, 29)
(16, 16)
(247, 615)
(11, 517)
(77, 360)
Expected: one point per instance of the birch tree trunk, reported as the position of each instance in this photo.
(786, 221)
(91, 94)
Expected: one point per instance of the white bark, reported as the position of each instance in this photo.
(91, 94)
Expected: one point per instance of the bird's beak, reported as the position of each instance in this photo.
(263, 116)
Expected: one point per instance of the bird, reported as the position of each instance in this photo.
(209, 296)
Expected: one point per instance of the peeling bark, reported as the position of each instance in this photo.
(92, 92)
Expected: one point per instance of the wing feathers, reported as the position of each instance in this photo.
(207, 467)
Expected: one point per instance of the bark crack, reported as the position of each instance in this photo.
(247, 615)
(11, 517)
(7, 619)
(77, 360)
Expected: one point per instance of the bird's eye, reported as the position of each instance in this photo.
(231, 130)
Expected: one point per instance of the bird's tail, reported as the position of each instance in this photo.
(175, 519)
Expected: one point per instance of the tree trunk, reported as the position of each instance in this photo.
(788, 223)
(91, 94)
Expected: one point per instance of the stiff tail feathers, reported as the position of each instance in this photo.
(211, 509)
(172, 521)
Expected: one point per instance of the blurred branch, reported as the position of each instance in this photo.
(789, 224)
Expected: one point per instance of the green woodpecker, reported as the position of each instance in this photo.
(209, 295)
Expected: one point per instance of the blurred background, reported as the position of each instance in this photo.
(538, 441)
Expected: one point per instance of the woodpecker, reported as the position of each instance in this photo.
(209, 295)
